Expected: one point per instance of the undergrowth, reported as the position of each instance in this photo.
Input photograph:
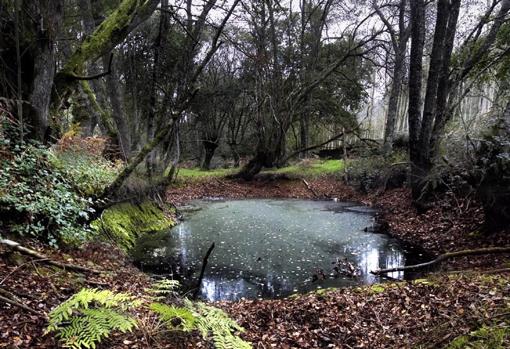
(89, 316)
(39, 199)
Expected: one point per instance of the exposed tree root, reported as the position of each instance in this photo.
(440, 258)
(13, 245)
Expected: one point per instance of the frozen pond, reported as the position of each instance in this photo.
(273, 248)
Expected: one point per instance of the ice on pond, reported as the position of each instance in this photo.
(273, 248)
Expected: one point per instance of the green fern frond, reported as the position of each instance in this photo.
(162, 288)
(175, 317)
(214, 321)
(91, 315)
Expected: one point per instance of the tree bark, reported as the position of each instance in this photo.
(415, 88)
(400, 47)
(114, 29)
(43, 51)
(209, 148)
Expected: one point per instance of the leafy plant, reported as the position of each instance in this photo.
(39, 199)
(175, 318)
(88, 173)
(163, 288)
(91, 315)
(208, 320)
(214, 321)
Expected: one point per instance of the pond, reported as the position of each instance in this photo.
(274, 248)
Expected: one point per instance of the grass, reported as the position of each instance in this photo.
(310, 168)
(307, 169)
(197, 173)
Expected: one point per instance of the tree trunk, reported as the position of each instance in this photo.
(399, 42)
(415, 89)
(209, 148)
(114, 29)
(118, 115)
(43, 52)
(396, 88)
(235, 154)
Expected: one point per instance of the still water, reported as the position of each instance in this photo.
(273, 248)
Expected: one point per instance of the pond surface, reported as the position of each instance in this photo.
(273, 248)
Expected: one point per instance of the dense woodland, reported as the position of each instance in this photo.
(138, 106)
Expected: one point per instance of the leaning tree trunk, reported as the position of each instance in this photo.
(112, 31)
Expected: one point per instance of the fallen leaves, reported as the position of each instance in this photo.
(402, 316)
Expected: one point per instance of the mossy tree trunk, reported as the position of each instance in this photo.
(112, 31)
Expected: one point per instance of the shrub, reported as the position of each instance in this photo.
(81, 161)
(39, 199)
(368, 173)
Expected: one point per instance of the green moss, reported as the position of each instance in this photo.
(125, 222)
(486, 337)
(104, 36)
(378, 288)
(105, 117)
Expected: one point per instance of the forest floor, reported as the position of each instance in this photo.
(473, 305)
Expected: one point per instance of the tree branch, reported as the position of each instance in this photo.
(445, 256)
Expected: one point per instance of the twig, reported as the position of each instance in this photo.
(17, 304)
(310, 188)
(20, 266)
(27, 251)
(440, 258)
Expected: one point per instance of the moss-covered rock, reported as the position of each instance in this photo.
(126, 222)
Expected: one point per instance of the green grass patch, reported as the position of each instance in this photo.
(197, 173)
(306, 168)
(310, 168)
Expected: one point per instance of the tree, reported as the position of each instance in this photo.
(398, 39)
(441, 93)
(280, 95)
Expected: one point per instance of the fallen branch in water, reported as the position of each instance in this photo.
(13, 245)
(204, 265)
(445, 256)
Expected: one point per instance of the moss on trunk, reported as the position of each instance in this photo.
(125, 222)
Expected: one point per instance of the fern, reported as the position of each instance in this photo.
(163, 288)
(214, 321)
(175, 318)
(91, 315)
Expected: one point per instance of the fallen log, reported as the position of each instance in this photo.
(445, 256)
(13, 245)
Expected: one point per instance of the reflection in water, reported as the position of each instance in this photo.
(273, 248)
